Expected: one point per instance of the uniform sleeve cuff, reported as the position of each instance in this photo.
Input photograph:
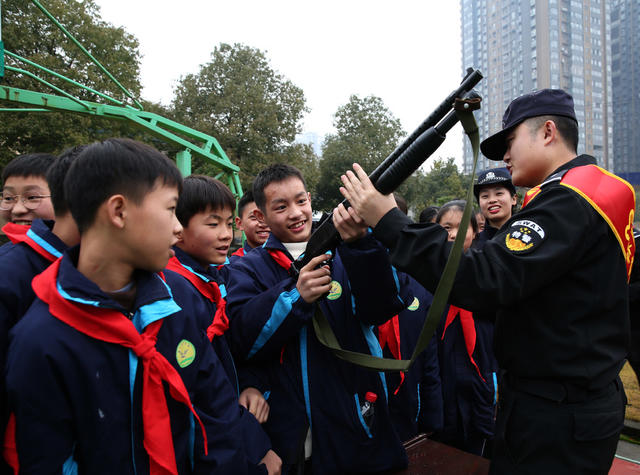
(388, 229)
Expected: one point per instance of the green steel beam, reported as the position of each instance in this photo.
(154, 123)
(84, 50)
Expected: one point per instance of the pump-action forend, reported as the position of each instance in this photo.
(400, 164)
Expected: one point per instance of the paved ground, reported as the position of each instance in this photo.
(627, 460)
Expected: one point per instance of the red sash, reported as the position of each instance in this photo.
(612, 197)
(238, 252)
(208, 290)
(468, 331)
(18, 233)
(113, 327)
(531, 194)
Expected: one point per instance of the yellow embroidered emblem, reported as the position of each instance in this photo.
(336, 290)
(185, 353)
(519, 240)
(414, 305)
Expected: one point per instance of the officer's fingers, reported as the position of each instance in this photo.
(362, 176)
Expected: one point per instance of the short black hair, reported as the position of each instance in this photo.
(56, 175)
(401, 202)
(427, 214)
(244, 201)
(29, 164)
(457, 205)
(200, 192)
(273, 173)
(115, 166)
(567, 127)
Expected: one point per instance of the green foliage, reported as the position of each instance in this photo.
(367, 132)
(26, 31)
(254, 112)
(442, 183)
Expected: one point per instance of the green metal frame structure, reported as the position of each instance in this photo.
(193, 141)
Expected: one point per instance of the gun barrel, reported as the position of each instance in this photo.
(472, 78)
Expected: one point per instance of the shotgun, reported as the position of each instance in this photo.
(398, 166)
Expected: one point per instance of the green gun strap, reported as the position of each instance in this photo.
(323, 329)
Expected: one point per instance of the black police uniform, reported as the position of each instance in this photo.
(557, 278)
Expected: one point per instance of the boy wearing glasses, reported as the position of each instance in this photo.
(25, 194)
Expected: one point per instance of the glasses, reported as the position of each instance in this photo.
(30, 202)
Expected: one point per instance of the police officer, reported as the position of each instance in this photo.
(556, 276)
(497, 199)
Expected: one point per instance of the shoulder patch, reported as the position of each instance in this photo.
(185, 353)
(414, 305)
(336, 290)
(524, 236)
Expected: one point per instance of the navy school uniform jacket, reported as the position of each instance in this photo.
(415, 403)
(256, 441)
(469, 395)
(19, 264)
(271, 323)
(77, 400)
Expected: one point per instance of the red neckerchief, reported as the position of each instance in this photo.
(10, 451)
(389, 334)
(281, 258)
(208, 290)
(468, 331)
(18, 233)
(114, 327)
(238, 252)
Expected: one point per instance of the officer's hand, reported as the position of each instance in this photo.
(254, 402)
(314, 283)
(350, 226)
(273, 463)
(367, 202)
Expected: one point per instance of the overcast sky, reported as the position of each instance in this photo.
(405, 52)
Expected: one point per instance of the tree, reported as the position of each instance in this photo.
(367, 132)
(26, 31)
(254, 112)
(443, 183)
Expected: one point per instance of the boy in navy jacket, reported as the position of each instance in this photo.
(315, 398)
(255, 230)
(108, 371)
(205, 210)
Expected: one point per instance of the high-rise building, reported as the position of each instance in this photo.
(524, 45)
(625, 85)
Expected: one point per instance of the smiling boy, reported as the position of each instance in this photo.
(132, 385)
(315, 398)
(255, 230)
(25, 192)
(205, 210)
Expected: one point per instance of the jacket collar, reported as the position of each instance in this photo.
(73, 285)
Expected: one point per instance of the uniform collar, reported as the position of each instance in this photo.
(73, 285)
(579, 161)
(275, 243)
(194, 266)
(42, 230)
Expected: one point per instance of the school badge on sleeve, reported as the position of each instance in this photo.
(336, 290)
(185, 353)
(524, 236)
(415, 305)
